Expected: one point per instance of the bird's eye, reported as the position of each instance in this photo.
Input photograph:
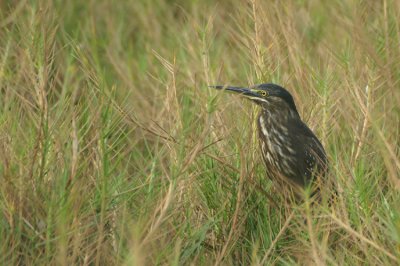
(262, 93)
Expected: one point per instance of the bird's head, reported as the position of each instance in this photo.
(268, 95)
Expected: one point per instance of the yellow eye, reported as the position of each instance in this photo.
(262, 93)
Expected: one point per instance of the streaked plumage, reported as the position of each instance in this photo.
(292, 153)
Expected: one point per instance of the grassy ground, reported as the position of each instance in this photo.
(113, 151)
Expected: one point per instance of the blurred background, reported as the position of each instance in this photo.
(114, 151)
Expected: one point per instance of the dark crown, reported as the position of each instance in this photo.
(277, 91)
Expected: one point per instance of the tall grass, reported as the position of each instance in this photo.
(113, 150)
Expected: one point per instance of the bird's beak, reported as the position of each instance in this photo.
(243, 91)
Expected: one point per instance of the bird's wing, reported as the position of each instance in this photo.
(310, 152)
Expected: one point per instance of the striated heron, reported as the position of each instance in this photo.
(293, 155)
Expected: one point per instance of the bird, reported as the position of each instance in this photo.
(294, 157)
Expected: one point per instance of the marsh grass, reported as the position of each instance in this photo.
(113, 150)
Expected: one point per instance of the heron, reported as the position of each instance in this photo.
(294, 157)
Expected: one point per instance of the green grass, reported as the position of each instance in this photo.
(113, 150)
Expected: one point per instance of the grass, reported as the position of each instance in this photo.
(113, 150)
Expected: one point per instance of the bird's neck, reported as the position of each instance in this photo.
(275, 116)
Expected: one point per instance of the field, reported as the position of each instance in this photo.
(114, 150)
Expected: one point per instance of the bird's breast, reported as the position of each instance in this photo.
(271, 144)
(276, 148)
(272, 135)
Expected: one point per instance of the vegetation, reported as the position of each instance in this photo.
(113, 150)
